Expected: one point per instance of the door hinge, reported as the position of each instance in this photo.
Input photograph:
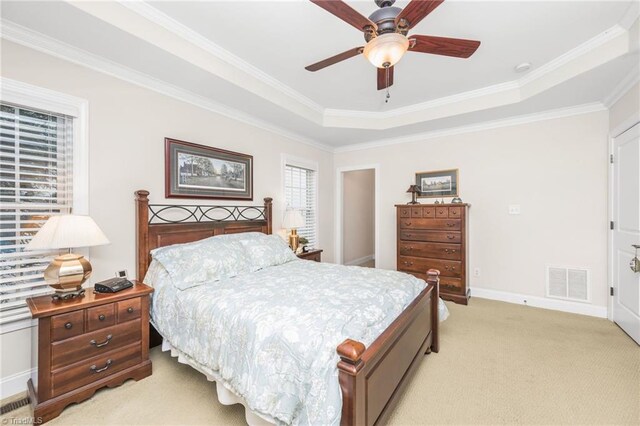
(610, 291)
(611, 225)
(611, 158)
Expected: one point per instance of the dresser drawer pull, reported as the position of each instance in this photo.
(409, 235)
(449, 250)
(105, 343)
(101, 317)
(68, 326)
(450, 237)
(408, 223)
(408, 263)
(450, 224)
(450, 268)
(95, 369)
(130, 310)
(409, 248)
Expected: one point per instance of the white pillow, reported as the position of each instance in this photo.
(270, 250)
(207, 260)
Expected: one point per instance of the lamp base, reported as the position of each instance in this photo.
(67, 273)
(294, 240)
(67, 295)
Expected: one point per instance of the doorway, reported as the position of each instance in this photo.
(357, 216)
(625, 235)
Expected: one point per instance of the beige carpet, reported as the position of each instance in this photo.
(499, 364)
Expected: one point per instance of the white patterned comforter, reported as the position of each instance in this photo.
(271, 335)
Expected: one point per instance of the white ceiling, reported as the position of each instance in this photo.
(247, 58)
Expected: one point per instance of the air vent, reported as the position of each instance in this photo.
(568, 283)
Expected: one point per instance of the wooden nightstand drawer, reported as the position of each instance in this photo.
(68, 325)
(314, 254)
(128, 310)
(93, 344)
(85, 372)
(101, 317)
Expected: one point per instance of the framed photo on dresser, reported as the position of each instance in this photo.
(439, 183)
(200, 171)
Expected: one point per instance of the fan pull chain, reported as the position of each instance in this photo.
(386, 101)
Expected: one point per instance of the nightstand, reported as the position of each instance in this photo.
(313, 254)
(88, 343)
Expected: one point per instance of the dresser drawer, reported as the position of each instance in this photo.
(85, 372)
(451, 224)
(449, 268)
(442, 212)
(432, 250)
(447, 284)
(64, 326)
(429, 212)
(416, 211)
(95, 343)
(430, 236)
(128, 310)
(404, 211)
(455, 212)
(101, 317)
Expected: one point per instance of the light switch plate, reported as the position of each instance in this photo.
(514, 208)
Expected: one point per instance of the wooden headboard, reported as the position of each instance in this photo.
(159, 225)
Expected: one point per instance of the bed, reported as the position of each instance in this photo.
(372, 369)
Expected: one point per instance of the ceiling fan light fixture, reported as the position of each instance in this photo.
(386, 49)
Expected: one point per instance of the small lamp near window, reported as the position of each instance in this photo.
(413, 190)
(67, 272)
(293, 220)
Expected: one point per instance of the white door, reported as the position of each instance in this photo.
(626, 231)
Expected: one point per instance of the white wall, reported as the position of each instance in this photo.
(555, 169)
(358, 218)
(127, 127)
(626, 110)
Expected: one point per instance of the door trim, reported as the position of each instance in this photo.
(624, 127)
(338, 213)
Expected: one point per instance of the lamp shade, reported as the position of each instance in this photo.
(413, 189)
(292, 219)
(386, 50)
(68, 231)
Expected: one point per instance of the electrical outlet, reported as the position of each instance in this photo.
(476, 272)
(514, 208)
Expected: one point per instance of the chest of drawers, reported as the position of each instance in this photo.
(87, 343)
(435, 237)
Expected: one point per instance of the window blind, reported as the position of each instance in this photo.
(300, 193)
(35, 183)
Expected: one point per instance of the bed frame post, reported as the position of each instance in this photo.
(433, 278)
(142, 232)
(268, 213)
(352, 383)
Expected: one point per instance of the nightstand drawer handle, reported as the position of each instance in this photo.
(450, 237)
(130, 309)
(95, 369)
(105, 343)
(101, 317)
(68, 326)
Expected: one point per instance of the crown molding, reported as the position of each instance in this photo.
(630, 80)
(42, 43)
(141, 19)
(631, 16)
(487, 125)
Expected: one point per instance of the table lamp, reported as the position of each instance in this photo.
(293, 220)
(413, 190)
(67, 272)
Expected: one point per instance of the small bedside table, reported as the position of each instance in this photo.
(314, 254)
(87, 343)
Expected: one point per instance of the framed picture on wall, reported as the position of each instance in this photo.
(440, 183)
(199, 171)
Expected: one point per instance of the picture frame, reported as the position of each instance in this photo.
(438, 183)
(200, 171)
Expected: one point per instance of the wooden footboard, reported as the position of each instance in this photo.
(372, 379)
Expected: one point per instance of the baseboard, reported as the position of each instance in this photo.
(360, 261)
(540, 302)
(16, 383)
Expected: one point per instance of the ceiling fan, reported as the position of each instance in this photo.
(385, 32)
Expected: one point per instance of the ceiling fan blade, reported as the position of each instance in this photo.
(334, 59)
(416, 11)
(456, 47)
(382, 78)
(346, 13)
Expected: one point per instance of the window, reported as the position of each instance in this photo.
(300, 193)
(36, 170)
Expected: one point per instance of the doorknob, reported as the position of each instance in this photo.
(635, 262)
